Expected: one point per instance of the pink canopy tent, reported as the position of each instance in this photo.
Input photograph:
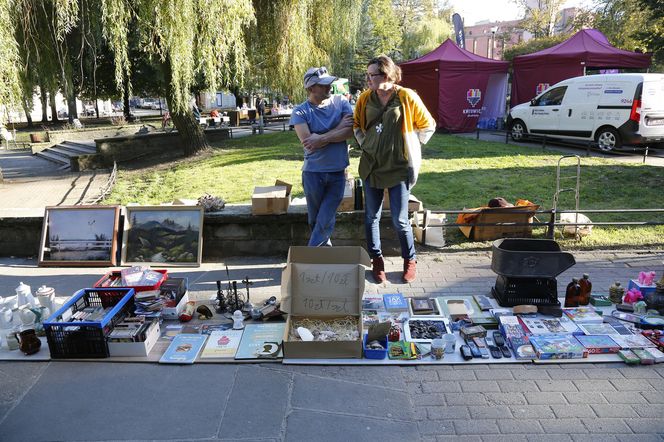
(458, 87)
(588, 48)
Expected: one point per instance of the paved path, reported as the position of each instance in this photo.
(32, 183)
(101, 401)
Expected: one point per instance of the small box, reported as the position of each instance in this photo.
(644, 289)
(174, 312)
(271, 200)
(136, 349)
(348, 203)
(414, 205)
(430, 230)
(323, 283)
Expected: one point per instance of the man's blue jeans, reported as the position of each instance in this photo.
(373, 204)
(324, 192)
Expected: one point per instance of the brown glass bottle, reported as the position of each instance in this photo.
(572, 293)
(586, 289)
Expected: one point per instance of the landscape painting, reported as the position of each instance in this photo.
(79, 235)
(163, 235)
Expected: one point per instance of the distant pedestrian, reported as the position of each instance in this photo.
(323, 123)
(390, 123)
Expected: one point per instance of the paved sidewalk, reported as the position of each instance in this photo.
(31, 183)
(101, 401)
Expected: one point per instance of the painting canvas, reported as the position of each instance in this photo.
(163, 235)
(79, 235)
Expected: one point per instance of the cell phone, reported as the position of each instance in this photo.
(474, 349)
(489, 340)
(498, 339)
(495, 352)
(466, 353)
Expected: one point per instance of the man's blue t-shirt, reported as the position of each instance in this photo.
(321, 119)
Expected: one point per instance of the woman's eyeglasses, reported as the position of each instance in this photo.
(371, 76)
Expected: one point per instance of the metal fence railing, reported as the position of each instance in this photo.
(552, 223)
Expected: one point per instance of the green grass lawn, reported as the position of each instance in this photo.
(456, 173)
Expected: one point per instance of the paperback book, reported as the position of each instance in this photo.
(395, 302)
(583, 315)
(222, 344)
(183, 349)
(511, 327)
(596, 344)
(632, 341)
(257, 338)
(370, 302)
(597, 329)
(557, 347)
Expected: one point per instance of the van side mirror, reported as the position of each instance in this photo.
(532, 102)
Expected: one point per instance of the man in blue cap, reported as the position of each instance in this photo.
(323, 123)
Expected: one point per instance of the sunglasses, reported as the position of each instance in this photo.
(317, 73)
(370, 76)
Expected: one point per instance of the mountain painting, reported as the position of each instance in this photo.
(166, 235)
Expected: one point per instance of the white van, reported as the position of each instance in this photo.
(611, 109)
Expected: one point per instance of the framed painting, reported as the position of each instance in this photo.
(79, 236)
(163, 235)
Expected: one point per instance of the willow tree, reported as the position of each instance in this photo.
(188, 39)
(10, 67)
(290, 36)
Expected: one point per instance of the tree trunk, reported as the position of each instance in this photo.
(54, 107)
(71, 108)
(191, 135)
(125, 99)
(27, 110)
(43, 97)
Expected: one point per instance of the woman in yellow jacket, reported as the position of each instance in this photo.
(390, 123)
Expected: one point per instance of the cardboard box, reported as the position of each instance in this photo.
(323, 283)
(271, 200)
(429, 228)
(414, 205)
(134, 349)
(348, 203)
(174, 312)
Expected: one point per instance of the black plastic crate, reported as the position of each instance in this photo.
(87, 339)
(517, 291)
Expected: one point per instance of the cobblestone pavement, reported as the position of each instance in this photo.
(101, 401)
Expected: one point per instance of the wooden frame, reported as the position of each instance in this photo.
(163, 235)
(79, 236)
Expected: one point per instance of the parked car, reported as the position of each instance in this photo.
(610, 109)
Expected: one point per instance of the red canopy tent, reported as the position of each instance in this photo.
(588, 48)
(456, 85)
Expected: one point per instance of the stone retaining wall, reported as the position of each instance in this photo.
(231, 232)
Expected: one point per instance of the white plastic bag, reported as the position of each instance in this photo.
(581, 229)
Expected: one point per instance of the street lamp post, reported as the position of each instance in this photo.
(494, 29)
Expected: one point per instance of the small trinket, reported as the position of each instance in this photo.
(204, 312)
(188, 311)
(238, 320)
(640, 308)
(305, 334)
(256, 314)
(376, 345)
(394, 335)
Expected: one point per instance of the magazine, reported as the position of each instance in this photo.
(184, 349)
(583, 315)
(257, 336)
(222, 344)
(597, 329)
(632, 341)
